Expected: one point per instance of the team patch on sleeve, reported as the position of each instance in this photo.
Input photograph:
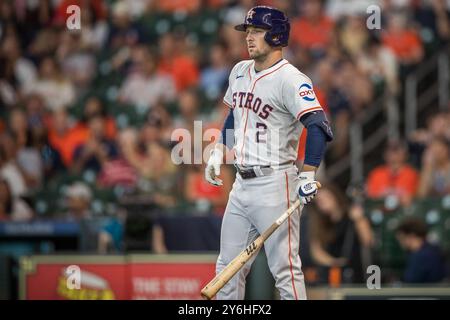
(306, 92)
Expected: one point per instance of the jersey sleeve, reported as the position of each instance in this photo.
(228, 98)
(298, 95)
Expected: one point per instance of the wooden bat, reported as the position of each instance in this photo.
(211, 289)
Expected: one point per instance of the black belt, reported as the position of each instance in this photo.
(248, 173)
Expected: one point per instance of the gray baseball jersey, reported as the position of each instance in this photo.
(266, 107)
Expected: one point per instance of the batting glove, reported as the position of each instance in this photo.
(213, 167)
(308, 186)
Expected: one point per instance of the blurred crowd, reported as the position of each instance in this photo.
(100, 104)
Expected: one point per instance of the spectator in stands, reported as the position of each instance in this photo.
(22, 70)
(348, 92)
(9, 20)
(353, 34)
(157, 174)
(27, 156)
(78, 198)
(338, 104)
(434, 16)
(232, 16)
(95, 28)
(124, 34)
(203, 196)
(97, 150)
(395, 177)
(314, 29)
(92, 108)
(186, 6)
(9, 170)
(356, 86)
(214, 77)
(65, 136)
(37, 116)
(78, 63)
(18, 127)
(9, 94)
(57, 91)
(402, 39)
(379, 64)
(339, 233)
(425, 263)
(435, 173)
(438, 127)
(119, 172)
(12, 208)
(44, 43)
(175, 61)
(188, 111)
(145, 86)
(50, 157)
(160, 114)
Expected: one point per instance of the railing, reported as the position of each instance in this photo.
(361, 146)
(415, 103)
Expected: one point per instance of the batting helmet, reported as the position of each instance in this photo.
(273, 20)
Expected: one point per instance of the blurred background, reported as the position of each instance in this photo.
(86, 123)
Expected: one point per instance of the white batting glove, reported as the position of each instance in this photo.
(308, 186)
(213, 167)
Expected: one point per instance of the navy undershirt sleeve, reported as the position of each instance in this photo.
(227, 136)
(319, 133)
(315, 145)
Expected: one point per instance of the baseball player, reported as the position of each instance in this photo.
(270, 103)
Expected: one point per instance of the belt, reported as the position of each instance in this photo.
(253, 172)
(258, 171)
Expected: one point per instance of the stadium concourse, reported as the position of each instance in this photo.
(89, 118)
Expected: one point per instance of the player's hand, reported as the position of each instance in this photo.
(212, 170)
(308, 186)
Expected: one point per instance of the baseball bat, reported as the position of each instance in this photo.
(211, 289)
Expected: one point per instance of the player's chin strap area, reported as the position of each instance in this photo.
(248, 172)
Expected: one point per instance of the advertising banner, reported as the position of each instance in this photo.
(135, 277)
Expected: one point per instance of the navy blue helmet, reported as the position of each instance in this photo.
(273, 20)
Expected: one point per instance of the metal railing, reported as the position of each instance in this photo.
(414, 103)
(361, 146)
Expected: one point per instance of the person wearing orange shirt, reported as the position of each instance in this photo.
(92, 108)
(395, 177)
(189, 6)
(313, 30)
(65, 137)
(402, 40)
(175, 62)
(199, 191)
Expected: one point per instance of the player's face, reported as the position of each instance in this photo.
(257, 47)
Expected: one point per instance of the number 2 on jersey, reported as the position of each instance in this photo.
(260, 133)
